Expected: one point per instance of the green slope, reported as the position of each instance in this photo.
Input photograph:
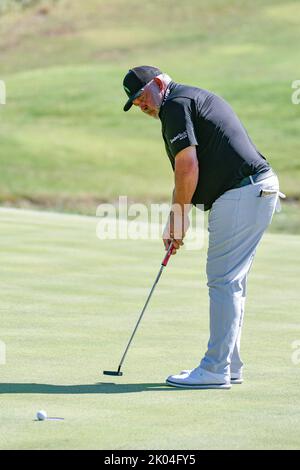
(65, 141)
(63, 323)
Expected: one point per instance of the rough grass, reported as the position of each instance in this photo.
(64, 136)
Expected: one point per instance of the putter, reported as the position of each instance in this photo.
(163, 265)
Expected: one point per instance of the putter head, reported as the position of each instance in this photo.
(111, 372)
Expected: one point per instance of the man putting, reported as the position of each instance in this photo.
(216, 165)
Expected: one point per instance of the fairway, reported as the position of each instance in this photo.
(69, 303)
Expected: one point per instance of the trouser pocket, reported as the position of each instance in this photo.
(270, 196)
(269, 193)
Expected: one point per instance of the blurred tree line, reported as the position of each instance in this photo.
(9, 5)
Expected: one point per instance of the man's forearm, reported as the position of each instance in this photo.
(186, 180)
(185, 186)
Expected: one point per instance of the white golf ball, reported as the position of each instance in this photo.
(41, 415)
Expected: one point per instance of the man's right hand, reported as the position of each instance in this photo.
(168, 239)
(172, 230)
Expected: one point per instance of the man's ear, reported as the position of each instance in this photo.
(159, 83)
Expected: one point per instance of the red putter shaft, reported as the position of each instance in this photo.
(168, 255)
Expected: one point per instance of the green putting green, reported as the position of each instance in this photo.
(68, 305)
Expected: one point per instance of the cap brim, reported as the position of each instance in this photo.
(131, 99)
(128, 105)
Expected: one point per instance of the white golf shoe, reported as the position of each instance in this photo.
(235, 379)
(199, 378)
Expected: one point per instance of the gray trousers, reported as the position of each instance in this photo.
(237, 222)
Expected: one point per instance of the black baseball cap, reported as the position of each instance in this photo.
(135, 81)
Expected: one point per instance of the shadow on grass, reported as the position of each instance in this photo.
(102, 387)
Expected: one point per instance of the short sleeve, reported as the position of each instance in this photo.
(178, 129)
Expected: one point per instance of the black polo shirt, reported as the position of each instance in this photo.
(225, 152)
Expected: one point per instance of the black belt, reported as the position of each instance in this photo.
(255, 178)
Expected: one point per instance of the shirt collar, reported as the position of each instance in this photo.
(166, 95)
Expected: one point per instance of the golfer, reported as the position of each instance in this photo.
(217, 166)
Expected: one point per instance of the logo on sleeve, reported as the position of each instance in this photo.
(180, 136)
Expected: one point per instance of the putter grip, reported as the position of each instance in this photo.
(168, 255)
